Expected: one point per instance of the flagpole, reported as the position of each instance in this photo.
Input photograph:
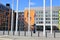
(51, 14)
(12, 17)
(29, 18)
(44, 17)
(16, 18)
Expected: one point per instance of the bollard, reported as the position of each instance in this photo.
(8, 32)
(24, 33)
(13, 32)
(38, 33)
(31, 33)
(46, 34)
(54, 34)
(19, 33)
(3, 33)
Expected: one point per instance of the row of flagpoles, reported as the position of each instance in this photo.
(44, 16)
(16, 29)
(29, 16)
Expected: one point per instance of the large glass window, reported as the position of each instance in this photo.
(48, 27)
(47, 22)
(36, 22)
(40, 22)
(55, 21)
(47, 18)
(36, 18)
(54, 18)
(40, 18)
(47, 15)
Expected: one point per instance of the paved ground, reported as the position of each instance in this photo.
(28, 36)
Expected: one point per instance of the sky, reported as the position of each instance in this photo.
(22, 4)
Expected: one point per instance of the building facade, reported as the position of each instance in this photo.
(26, 21)
(21, 21)
(38, 18)
(5, 17)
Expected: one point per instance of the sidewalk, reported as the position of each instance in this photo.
(26, 38)
(29, 37)
(5, 39)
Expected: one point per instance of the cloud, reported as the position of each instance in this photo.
(32, 3)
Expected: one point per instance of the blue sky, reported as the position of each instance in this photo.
(34, 3)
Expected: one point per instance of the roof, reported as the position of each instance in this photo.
(3, 7)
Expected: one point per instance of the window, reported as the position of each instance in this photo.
(48, 22)
(41, 11)
(47, 15)
(55, 14)
(47, 18)
(36, 18)
(40, 22)
(40, 18)
(48, 27)
(55, 18)
(36, 22)
(55, 22)
(55, 11)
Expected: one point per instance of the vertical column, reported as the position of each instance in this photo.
(51, 14)
(12, 17)
(16, 18)
(44, 17)
(59, 20)
(29, 18)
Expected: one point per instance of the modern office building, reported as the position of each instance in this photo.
(5, 17)
(38, 18)
(21, 21)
